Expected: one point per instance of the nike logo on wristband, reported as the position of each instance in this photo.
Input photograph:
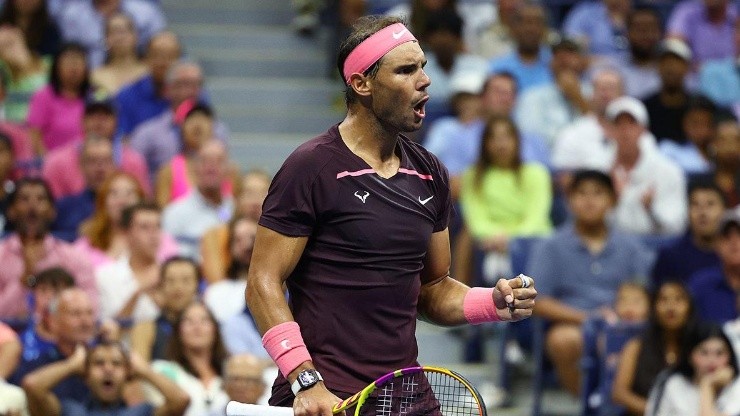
(285, 344)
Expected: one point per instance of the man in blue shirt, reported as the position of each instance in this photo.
(145, 99)
(695, 250)
(716, 290)
(580, 268)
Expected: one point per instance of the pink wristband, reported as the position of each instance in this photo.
(285, 345)
(478, 306)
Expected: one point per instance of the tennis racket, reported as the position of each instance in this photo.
(410, 391)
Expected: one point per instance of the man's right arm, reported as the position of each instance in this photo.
(38, 384)
(273, 260)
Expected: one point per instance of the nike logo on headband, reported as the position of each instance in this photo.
(397, 35)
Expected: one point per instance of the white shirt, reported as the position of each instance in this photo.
(583, 145)
(225, 298)
(203, 400)
(116, 284)
(187, 219)
(681, 398)
(732, 329)
(669, 206)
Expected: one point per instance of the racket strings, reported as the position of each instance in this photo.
(454, 397)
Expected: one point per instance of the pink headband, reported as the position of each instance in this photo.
(370, 50)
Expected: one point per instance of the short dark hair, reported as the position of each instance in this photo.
(101, 342)
(706, 184)
(54, 80)
(586, 175)
(444, 20)
(179, 259)
(56, 277)
(30, 181)
(643, 10)
(503, 74)
(128, 214)
(200, 108)
(363, 28)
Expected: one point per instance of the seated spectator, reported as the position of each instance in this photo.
(214, 245)
(73, 324)
(640, 69)
(55, 112)
(84, 22)
(547, 108)
(39, 29)
(715, 289)
(719, 79)
(499, 98)
(583, 144)
(31, 249)
(529, 62)
(23, 72)
(38, 337)
(497, 39)
(727, 161)
(7, 184)
(195, 360)
(122, 64)
(632, 304)
(12, 399)
(666, 107)
(62, 166)
(102, 238)
(241, 336)
(705, 381)
(175, 179)
(455, 139)
(146, 98)
(446, 58)
(17, 138)
(243, 379)
(694, 156)
(178, 287)
(501, 197)
(96, 164)
(651, 190)
(128, 287)
(155, 139)
(696, 249)
(206, 206)
(225, 298)
(106, 368)
(708, 27)
(601, 26)
(659, 347)
(579, 270)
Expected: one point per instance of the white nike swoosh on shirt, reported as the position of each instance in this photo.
(424, 201)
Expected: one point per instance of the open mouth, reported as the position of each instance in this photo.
(419, 109)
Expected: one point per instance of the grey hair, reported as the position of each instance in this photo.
(177, 66)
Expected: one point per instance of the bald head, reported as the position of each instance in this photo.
(243, 377)
(183, 81)
(163, 50)
(607, 86)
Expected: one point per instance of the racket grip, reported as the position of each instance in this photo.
(243, 409)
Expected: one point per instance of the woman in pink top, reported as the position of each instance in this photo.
(55, 111)
(102, 238)
(175, 179)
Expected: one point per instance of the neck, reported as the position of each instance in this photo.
(141, 261)
(717, 14)
(213, 196)
(66, 348)
(123, 59)
(704, 242)
(598, 231)
(673, 97)
(200, 360)
(732, 274)
(32, 238)
(627, 157)
(68, 92)
(528, 55)
(368, 138)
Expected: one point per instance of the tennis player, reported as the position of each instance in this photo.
(355, 223)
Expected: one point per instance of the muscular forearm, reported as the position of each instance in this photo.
(441, 302)
(267, 303)
(556, 311)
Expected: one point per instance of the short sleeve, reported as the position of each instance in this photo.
(289, 207)
(38, 109)
(443, 188)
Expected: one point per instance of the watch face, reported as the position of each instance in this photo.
(307, 378)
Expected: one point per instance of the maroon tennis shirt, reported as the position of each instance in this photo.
(355, 289)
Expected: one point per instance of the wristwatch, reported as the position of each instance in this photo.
(306, 379)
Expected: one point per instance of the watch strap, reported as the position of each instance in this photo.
(296, 386)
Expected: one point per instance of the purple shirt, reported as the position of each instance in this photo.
(59, 118)
(355, 289)
(707, 40)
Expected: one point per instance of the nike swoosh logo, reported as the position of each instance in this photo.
(399, 34)
(285, 344)
(424, 201)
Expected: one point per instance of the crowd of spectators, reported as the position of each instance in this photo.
(606, 131)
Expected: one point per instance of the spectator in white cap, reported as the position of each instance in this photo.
(667, 106)
(651, 189)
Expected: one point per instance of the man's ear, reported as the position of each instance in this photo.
(361, 84)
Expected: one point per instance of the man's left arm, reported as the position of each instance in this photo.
(443, 299)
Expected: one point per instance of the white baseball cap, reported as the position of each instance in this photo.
(470, 82)
(628, 105)
(676, 47)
